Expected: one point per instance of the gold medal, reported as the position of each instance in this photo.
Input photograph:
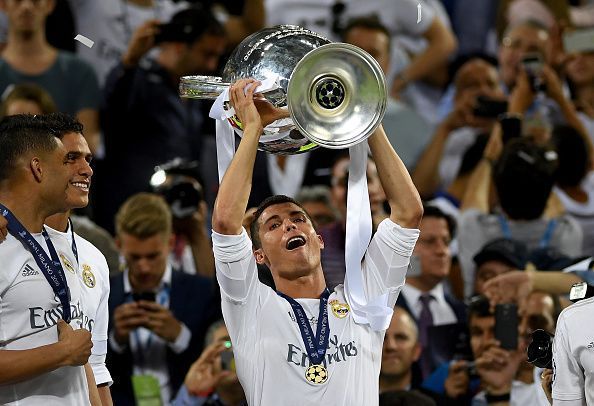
(67, 263)
(88, 277)
(316, 374)
(340, 310)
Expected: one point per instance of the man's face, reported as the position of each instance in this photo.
(580, 69)
(482, 329)
(202, 56)
(77, 159)
(433, 249)
(489, 270)
(539, 313)
(27, 16)
(374, 42)
(146, 259)
(401, 347)
(478, 78)
(515, 45)
(290, 244)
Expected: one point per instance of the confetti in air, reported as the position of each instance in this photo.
(418, 13)
(84, 40)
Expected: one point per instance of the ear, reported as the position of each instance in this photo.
(321, 241)
(36, 169)
(417, 352)
(260, 256)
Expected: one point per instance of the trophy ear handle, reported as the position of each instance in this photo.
(337, 95)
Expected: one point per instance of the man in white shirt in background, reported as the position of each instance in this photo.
(271, 330)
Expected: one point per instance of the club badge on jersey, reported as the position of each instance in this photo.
(340, 310)
(88, 277)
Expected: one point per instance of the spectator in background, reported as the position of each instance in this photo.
(580, 78)
(424, 295)
(145, 121)
(440, 161)
(209, 381)
(401, 350)
(28, 57)
(316, 202)
(32, 99)
(496, 258)
(334, 235)
(407, 131)
(158, 316)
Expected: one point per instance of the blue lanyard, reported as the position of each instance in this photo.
(51, 269)
(74, 249)
(545, 240)
(315, 345)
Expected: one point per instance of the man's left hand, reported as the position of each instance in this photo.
(161, 321)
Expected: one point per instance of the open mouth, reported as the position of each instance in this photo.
(84, 186)
(295, 243)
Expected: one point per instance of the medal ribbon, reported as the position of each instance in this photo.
(74, 249)
(51, 269)
(315, 345)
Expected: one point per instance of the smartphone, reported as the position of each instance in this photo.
(577, 41)
(227, 360)
(506, 325)
(146, 296)
(490, 108)
(533, 63)
(511, 127)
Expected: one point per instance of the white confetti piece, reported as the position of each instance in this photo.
(84, 40)
(419, 13)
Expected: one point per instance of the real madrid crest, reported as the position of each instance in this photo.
(67, 263)
(88, 277)
(316, 374)
(340, 310)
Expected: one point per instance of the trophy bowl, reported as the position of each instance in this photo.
(335, 93)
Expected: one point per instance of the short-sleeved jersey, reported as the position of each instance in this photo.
(93, 275)
(29, 312)
(573, 354)
(269, 351)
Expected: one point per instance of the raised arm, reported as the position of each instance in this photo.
(406, 208)
(234, 191)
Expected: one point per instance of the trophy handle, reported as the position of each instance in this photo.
(210, 87)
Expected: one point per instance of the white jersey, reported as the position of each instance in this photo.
(110, 24)
(93, 275)
(29, 312)
(573, 354)
(270, 355)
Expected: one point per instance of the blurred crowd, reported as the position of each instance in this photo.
(491, 108)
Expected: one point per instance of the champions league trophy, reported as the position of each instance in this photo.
(335, 93)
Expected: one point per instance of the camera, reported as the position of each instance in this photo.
(533, 63)
(540, 350)
(580, 291)
(179, 183)
(489, 108)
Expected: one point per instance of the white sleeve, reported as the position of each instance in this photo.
(407, 17)
(386, 260)
(99, 335)
(568, 375)
(237, 275)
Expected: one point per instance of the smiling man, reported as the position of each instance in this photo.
(41, 356)
(279, 358)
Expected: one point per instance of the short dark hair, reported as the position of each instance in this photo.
(524, 178)
(23, 133)
(433, 211)
(30, 92)
(368, 23)
(190, 24)
(271, 201)
(572, 151)
(479, 306)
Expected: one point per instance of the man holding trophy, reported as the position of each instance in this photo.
(301, 344)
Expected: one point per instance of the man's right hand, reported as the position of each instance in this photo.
(457, 382)
(142, 41)
(77, 344)
(127, 317)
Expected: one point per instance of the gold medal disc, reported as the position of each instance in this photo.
(316, 374)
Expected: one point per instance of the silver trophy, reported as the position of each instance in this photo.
(335, 93)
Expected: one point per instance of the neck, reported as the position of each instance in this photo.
(58, 221)
(26, 44)
(30, 213)
(390, 383)
(421, 283)
(304, 287)
(165, 58)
